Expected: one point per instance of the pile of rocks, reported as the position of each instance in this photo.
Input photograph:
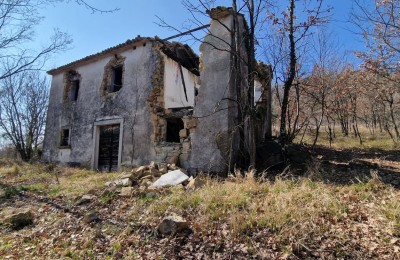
(153, 176)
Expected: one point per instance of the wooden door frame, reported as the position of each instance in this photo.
(96, 138)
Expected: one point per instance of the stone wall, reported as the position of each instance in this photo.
(215, 139)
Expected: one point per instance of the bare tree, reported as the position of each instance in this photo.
(17, 21)
(379, 21)
(295, 31)
(23, 106)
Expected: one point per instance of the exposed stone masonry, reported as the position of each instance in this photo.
(69, 77)
(117, 61)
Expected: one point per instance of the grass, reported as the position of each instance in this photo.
(379, 140)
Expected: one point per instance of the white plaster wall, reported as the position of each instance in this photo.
(257, 91)
(174, 95)
(64, 155)
(90, 107)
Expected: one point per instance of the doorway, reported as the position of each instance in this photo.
(108, 150)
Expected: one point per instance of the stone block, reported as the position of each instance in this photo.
(126, 191)
(163, 168)
(183, 133)
(170, 179)
(162, 122)
(186, 146)
(192, 123)
(194, 183)
(90, 217)
(172, 224)
(20, 219)
(123, 182)
(153, 118)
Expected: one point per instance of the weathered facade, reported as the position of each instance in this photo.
(149, 100)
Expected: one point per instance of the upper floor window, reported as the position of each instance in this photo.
(71, 85)
(113, 76)
(116, 79)
(74, 90)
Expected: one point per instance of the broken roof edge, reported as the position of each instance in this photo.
(98, 55)
(219, 12)
(182, 54)
(168, 48)
(263, 71)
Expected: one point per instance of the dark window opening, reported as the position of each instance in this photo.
(174, 125)
(74, 90)
(64, 137)
(116, 81)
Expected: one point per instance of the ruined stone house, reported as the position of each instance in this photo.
(150, 100)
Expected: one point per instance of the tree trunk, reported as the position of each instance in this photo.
(292, 73)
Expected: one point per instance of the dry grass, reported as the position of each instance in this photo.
(379, 140)
(296, 215)
(53, 181)
(292, 209)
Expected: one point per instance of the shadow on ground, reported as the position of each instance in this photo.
(342, 166)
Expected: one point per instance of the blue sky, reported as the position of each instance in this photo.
(93, 32)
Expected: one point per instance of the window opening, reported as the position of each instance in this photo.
(64, 137)
(74, 90)
(116, 81)
(174, 125)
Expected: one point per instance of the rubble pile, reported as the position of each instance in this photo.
(152, 177)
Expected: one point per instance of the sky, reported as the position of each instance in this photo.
(94, 32)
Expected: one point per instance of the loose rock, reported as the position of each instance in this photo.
(86, 199)
(162, 168)
(123, 182)
(170, 179)
(194, 183)
(90, 217)
(126, 191)
(172, 224)
(20, 219)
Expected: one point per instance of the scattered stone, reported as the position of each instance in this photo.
(90, 217)
(138, 172)
(153, 165)
(172, 224)
(123, 182)
(126, 191)
(109, 184)
(172, 167)
(194, 183)
(128, 175)
(20, 219)
(92, 191)
(170, 179)
(162, 168)
(85, 199)
(154, 172)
